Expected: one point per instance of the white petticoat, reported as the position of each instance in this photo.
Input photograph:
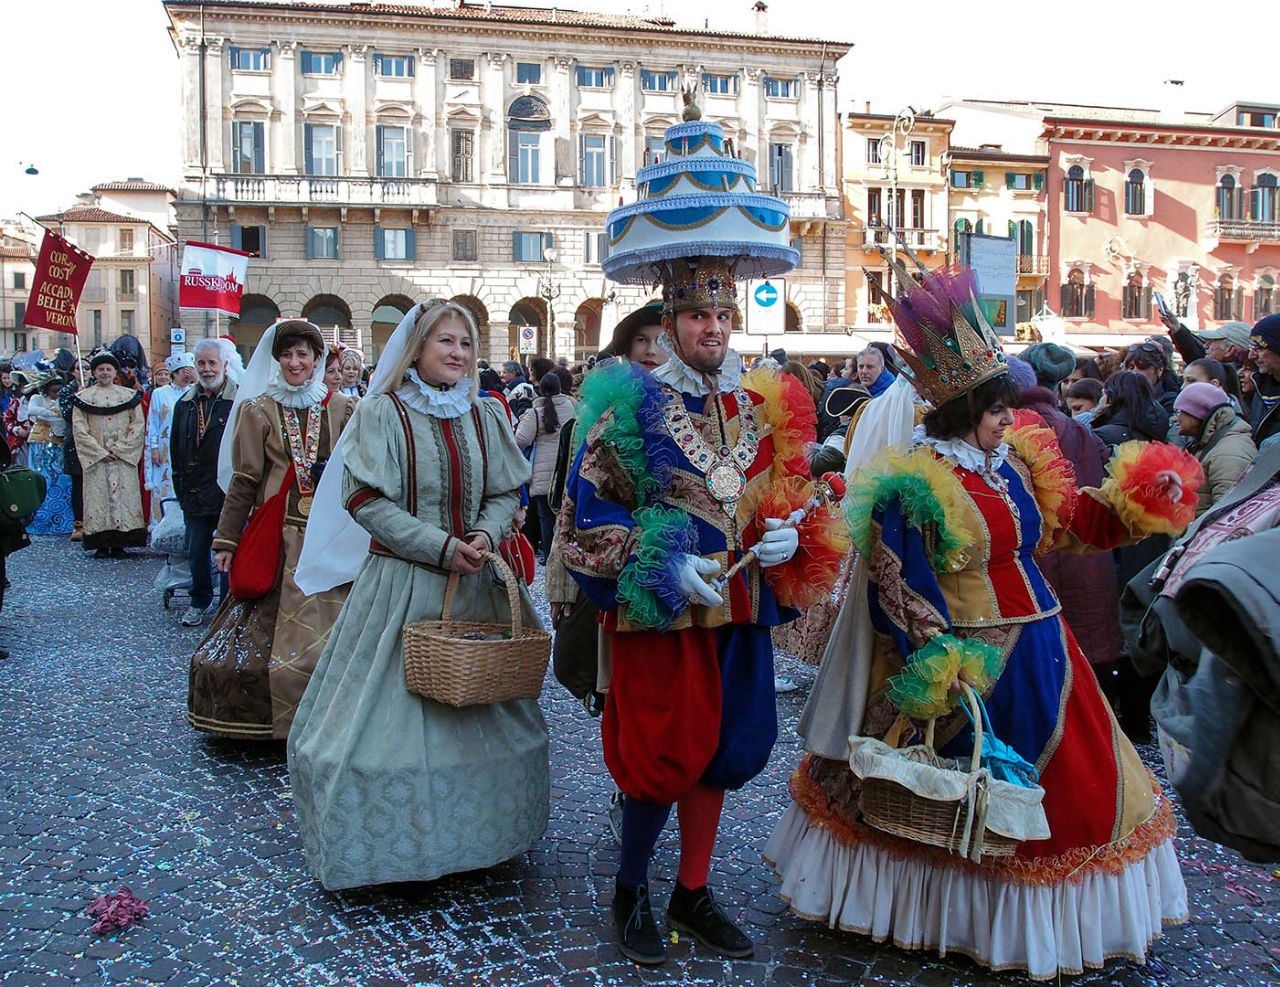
(1042, 929)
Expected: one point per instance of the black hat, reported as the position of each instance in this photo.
(106, 356)
(845, 400)
(625, 332)
(1266, 333)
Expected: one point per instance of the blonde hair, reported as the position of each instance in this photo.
(430, 316)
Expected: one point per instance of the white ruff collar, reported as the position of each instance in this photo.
(961, 453)
(421, 396)
(679, 375)
(296, 396)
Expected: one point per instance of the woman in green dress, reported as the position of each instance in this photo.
(389, 786)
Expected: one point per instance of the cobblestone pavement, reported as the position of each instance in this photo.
(104, 785)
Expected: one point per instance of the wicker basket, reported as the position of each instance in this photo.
(894, 808)
(469, 663)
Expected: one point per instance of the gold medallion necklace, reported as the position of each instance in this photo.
(304, 452)
(724, 468)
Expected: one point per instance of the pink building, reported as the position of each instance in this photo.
(1137, 206)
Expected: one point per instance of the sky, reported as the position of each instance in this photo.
(107, 106)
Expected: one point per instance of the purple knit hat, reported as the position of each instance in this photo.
(1021, 371)
(1200, 400)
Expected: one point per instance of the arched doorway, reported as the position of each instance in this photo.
(256, 313)
(386, 316)
(333, 316)
(793, 318)
(586, 328)
(527, 312)
(481, 314)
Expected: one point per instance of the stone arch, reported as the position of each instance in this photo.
(383, 319)
(527, 311)
(480, 312)
(586, 328)
(794, 318)
(256, 313)
(333, 316)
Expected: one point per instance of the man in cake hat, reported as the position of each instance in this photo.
(685, 471)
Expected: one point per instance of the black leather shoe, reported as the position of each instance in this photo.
(697, 913)
(638, 936)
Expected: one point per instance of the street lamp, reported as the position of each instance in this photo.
(903, 123)
(549, 292)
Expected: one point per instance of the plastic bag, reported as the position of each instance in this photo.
(174, 575)
(170, 533)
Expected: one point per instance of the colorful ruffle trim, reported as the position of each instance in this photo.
(1053, 477)
(922, 689)
(649, 583)
(1070, 867)
(788, 411)
(928, 493)
(808, 576)
(1131, 490)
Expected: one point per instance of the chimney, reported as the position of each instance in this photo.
(868, 109)
(762, 17)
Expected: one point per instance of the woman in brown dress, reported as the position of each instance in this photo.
(248, 674)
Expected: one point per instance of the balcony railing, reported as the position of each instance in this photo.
(1033, 264)
(289, 190)
(915, 239)
(809, 205)
(127, 296)
(1244, 230)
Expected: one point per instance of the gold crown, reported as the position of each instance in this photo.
(698, 282)
(944, 359)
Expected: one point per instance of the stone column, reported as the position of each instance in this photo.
(284, 78)
(493, 99)
(433, 157)
(191, 103)
(354, 81)
(216, 92)
(624, 125)
(751, 110)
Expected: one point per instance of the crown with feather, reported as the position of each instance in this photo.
(947, 346)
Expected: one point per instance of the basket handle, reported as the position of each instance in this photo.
(508, 577)
(971, 700)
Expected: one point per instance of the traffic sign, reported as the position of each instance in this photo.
(528, 339)
(766, 307)
(177, 335)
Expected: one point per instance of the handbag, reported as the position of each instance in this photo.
(256, 563)
(22, 492)
(517, 551)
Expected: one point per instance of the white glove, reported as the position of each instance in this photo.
(694, 585)
(777, 544)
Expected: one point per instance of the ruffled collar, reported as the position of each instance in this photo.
(961, 453)
(296, 396)
(679, 375)
(452, 402)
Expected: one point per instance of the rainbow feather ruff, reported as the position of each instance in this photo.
(922, 689)
(1141, 503)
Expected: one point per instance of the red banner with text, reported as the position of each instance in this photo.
(55, 290)
(212, 277)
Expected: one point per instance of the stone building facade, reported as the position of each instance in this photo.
(369, 160)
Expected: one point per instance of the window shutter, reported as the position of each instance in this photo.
(1009, 179)
(377, 140)
(337, 153)
(1065, 299)
(337, 61)
(337, 242)
(235, 57)
(237, 238)
(513, 157)
(976, 180)
(1013, 229)
(266, 58)
(1088, 195)
(1037, 181)
(582, 159)
(515, 245)
(1239, 304)
(546, 242)
(408, 152)
(310, 164)
(309, 238)
(304, 59)
(410, 245)
(613, 160)
(409, 64)
(379, 243)
(377, 63)
(586, 248)
(1146, 302)
(978, 227)
(1088, 301)
(262, 241)
(259, 149)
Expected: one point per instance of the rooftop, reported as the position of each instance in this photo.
(1077, 111)
(132, 185)
(96, 214)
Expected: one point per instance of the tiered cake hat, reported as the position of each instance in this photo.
(700, 201)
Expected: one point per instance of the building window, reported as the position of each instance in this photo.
(897, 212)
(393, 66)
(1135, 301)
(873, 150)
(874, 303)
(1230, 198)
(19, 313)
(1135, 193)
(96, 321)
(19, 280)
(601, 78)
(462, 145)
(592, 158)
(1077, 297)
(127, 325)
(961, 179)
(961, 226)
(250, 59)
(321, 62)
(595, 247)
(247, 157)
(529, 246)
(1018, 181)
(781, 88)
(393, 151)
(322, 144)
(1077, 191)
(128, 283)
(322, 243)
(464, 245)
(92, 240)
(873, 208)
(462, 69)
(1227, 301)
(781, 169)
(126, 240)
(719, 85)
(393, 244)
(529, 73)
(1255, 118)
(251, 239)
(654, 149)
(919, 154)
(1263, 196)
(1264, 296)
(917, 208)
(526, 155)
(657, 82)
(20, 342)
(1026, 238)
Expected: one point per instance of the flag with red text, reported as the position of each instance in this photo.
(55, 290)
(212, 277)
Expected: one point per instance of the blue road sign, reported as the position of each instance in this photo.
(766, 295)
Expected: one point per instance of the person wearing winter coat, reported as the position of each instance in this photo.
(1219, 439)
(1129, 411)
(539, 427)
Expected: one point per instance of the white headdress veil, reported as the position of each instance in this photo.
(335, 546)
(231, 356)
(257, 377)
(887, 421)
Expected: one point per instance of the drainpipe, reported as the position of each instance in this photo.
(204, 152)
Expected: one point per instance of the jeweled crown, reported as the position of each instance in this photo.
(944, 340)
(698, 282)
